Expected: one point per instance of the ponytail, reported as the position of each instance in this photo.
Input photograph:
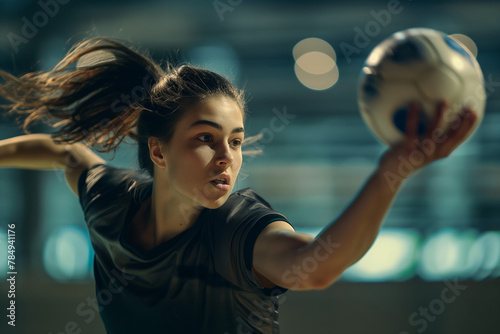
(94, 95)
(103, 92)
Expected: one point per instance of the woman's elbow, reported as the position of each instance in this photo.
(321, 282)
(296, 279)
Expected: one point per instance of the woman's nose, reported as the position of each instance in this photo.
(224, 155)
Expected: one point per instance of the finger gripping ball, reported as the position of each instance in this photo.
(422, 65)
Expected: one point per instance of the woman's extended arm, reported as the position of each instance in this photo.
(39, 151)
(299, 262)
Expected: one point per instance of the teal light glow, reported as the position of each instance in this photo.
(485, 255)
(391, 258)
(67, 254)
(3, 254)
(445, 255)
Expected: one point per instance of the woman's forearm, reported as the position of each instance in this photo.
(345, 241)
(348, 238)
(34, 151)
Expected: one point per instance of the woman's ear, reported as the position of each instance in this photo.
(156, 152)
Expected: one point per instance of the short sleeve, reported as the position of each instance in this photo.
(237, 224)
(89, 183)
(95, 188)
(103, 189)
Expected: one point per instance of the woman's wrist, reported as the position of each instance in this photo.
(394, 174)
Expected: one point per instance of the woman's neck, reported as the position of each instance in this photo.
(169, 215)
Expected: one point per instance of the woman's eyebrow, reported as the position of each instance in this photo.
(215, 125)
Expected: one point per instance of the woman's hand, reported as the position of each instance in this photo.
(415, 152)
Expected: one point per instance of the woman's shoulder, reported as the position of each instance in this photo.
(248, 195)
(242, 205)
(104, 180)
(111, 174)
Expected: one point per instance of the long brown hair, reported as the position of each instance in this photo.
(103, 92)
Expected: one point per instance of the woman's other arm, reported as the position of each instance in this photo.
(39, 151)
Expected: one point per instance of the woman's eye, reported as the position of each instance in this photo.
(205, 138)
(236, 142)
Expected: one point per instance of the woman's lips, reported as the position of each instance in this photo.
(220, 186)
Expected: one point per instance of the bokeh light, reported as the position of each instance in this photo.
(315, 63)
(67, 254)
(485, 255)
(313, 44)
(315, 81)
(3, 254)
(445, 255)
(391, 258)
(401, 254)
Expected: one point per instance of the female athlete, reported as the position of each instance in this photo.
(178, 249)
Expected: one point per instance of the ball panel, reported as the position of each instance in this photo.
(437, 83)
(406, 58)
(407, 50)
(453, 55)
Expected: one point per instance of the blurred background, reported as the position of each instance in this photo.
(440, 240)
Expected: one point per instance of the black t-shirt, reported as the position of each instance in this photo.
(200, 281)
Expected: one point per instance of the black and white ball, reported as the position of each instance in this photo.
(421, 65)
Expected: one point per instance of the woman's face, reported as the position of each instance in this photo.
(203, 157)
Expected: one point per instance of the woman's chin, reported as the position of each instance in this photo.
(215, 201)
(211, 197)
